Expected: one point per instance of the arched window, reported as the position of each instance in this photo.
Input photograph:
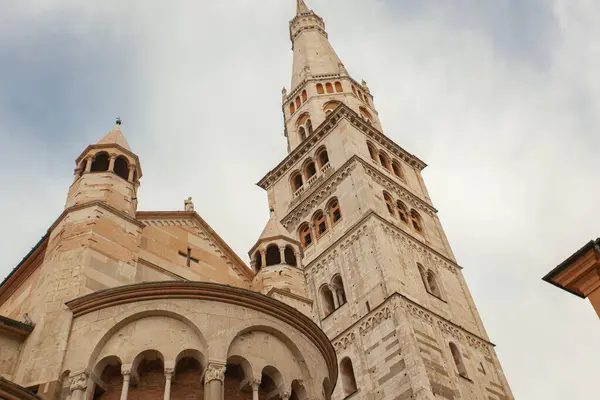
(338, 87)
(309, 127)
(347, 375)
(298, 102)
(367, 100)
(423, 274)
(297, 181)
(385, 161)
(402, 212)
(416, 221)
(372, 151)
(302, 133)
(320, 89)
(329, 87)
(304, 96)
(322, 157)
(310, 170)
(121, 167)
(458, 361)
(335, 213)
(366, 115)
(273, 255)
(292, 108)
(327, 300)
(389, 204)
(257, 261)
(305, 235)
(290, 257)
(100, 163)
(339, 290)
(397, 169)
(320, 223)
(432, 283)
(330, 106)
(353, 89)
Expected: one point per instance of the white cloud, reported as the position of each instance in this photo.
(508, 127)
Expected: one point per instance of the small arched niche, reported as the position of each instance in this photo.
(100, 162)
(122, 167)
(273, 255)
(290, 257)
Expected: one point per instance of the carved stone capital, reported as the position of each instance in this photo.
(169, 372)
(214, 372)
(255, 384)
(79, 382)
(285, 395)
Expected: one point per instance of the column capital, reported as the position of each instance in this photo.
(285, 395)
(255, 384)
(214, 372)
(79, 381)
(169, 372)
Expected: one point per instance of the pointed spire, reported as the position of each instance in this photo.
(116, 137)
(302, 8)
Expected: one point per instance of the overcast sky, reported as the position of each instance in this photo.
(500, 97)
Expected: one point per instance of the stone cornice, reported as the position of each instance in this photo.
(290, 295)
(354, 232)
(332, 120)
(206, 291)
(10, 327)
(10, 390)
(95, 203)
(178, 218)
(395, 301)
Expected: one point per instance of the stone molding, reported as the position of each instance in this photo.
(206, 291)
(398, 301)
(214, 372)
(10, 390)
(321, 193)
(10, 327)
(326, 127)
(203, 230)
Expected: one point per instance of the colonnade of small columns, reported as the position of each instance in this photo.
(263, 257)
(86, 166)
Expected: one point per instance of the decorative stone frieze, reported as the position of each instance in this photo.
(345, 341)
(374, 319)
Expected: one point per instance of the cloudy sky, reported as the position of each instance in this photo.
(500, 97)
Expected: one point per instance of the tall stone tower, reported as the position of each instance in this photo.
(384, 283)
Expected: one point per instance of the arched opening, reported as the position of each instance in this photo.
(458, 361)
(327, 389)
(150, 369)
(384, 161)
(122, 167)
(297, 181)
(423, 274)
(273, 255)
(304, 96)
(305, 235)
(367, 100)
(298, 391)
(100, 163)
(186, 382)
(290, 257)
(347, 375)
(327, 300)
(329, 87)
(372, 151)
(330, 106)
(388, 203)
(271, 380)
(340, 292)
(397, 170)
(320, 223)
(320, 89)
(109, 371)
(302, 133)
(416, 221)
(335, 212)
(402, 212)
(338, 87)
(322, 157)
(434, 287)
(366, 115)
(354, 89)
(292, 108)
(298, 102)
(309, 127)
(258, 261)
(238, 379)
(310, 170)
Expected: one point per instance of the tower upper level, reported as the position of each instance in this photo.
(320, 81)
(107, 171)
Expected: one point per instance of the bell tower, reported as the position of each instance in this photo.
(383, 281)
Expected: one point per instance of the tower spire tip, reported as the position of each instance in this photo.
(302, 8)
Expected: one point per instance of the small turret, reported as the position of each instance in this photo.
(107, 171)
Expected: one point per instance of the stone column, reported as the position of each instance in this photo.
(126, 380)
(282, 254)
(131, 171)
(88, 164)
(336, 300)
(298, 259)
(213, 381)
(111, 162)
(168, 378)
(79, 385)
(263, 258)
(255, 385)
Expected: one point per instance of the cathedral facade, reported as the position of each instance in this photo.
(352, 291)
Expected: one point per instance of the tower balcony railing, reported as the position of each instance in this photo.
(325, 171)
